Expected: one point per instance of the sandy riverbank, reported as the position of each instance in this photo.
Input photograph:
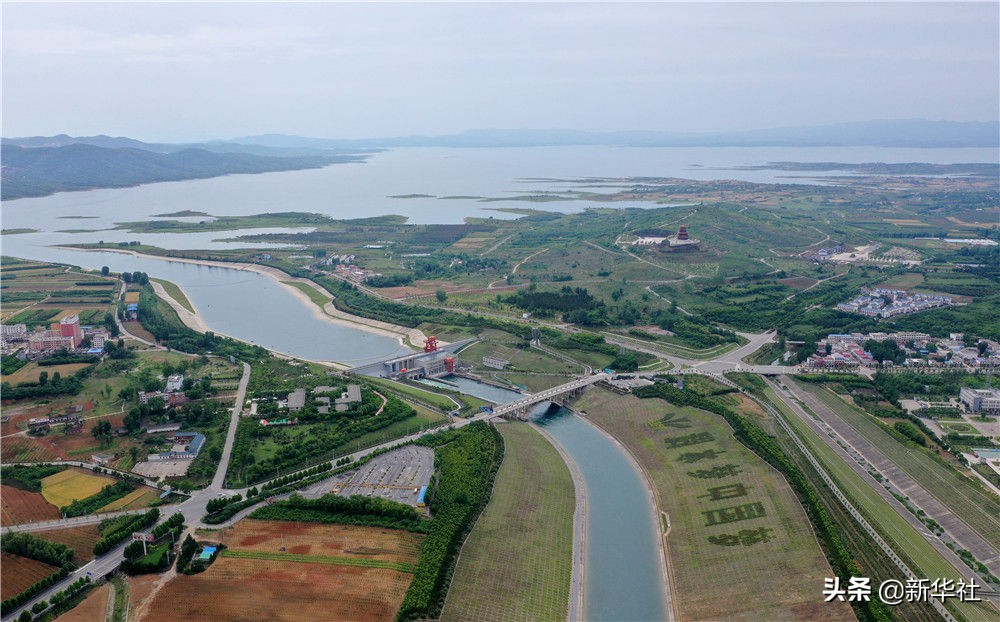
(329, 313)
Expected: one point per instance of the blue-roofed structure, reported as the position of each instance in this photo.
(421, 499)
(207, 552)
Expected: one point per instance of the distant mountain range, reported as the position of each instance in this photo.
(895, 133)
(41, 165)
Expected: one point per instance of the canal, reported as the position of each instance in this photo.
(624, 572)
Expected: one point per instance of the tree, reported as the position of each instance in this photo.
(102, 431)
(43, 378)
(105, 271)
(127, 277)
(441, 295)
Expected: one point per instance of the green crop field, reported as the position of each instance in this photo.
(899, 534)
(963, 496)
(766, 567)
(516, 563)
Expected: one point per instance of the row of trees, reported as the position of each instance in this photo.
(467, 461)
(354, 510)
(123, 529)
(32, 547)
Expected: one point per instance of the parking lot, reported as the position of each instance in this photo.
(397, 475)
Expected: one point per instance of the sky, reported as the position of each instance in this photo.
(195, 71)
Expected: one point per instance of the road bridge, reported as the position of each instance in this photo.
(519, 408)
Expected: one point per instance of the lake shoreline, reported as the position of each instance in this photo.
(195, 322)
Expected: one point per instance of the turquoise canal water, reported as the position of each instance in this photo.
(624, 577)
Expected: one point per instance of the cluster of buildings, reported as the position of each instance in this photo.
(886, 303)
(71, 418)
(172, 394)
(66, 334)
(823, 255)
(840, 351)
(296, 401)
(185, 446)
(681, 241)
(353, 272)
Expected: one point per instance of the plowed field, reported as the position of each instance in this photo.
(284, 590)
(20, 506)
(20, 573)
(280, 591)
(81, 539)
(328, 540)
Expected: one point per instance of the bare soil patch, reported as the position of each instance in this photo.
(81, 539)
(317, 539)
(94, 607)
(21, 506)
(280, 591)
(20, 573)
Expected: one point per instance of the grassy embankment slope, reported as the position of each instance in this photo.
(901, 536)
(962, 495)
(775, 569)
(516, 563)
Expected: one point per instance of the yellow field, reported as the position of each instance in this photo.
(72, 485)
(30, 372)
(139, 498)
(131, 297)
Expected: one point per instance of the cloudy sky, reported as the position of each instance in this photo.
(192, 71)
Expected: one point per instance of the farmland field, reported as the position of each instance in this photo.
(71, 485)
(24, 449)
(321, 539)
(30, 372)
(340, 592)
(20, 573)
(516, 563)
(21, 506)
(81, 539)
(767, 566)
(139, 498)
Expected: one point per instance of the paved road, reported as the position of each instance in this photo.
(861, 452)
(234, 419)
(62, 523)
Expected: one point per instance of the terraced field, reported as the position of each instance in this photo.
(516, 563)
(740, 545)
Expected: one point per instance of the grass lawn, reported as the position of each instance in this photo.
(405, 391)
(900, 535)
(319, 299)
(777, 577)
(963, 496)
(516, 563)
(175, 293)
